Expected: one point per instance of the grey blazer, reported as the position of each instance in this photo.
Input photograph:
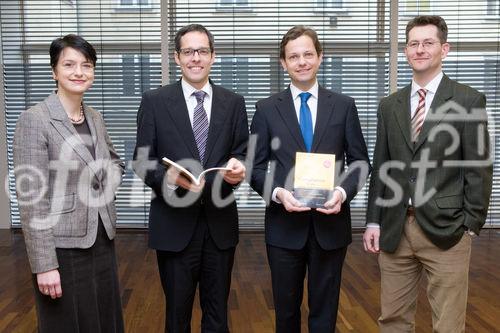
(61, 189)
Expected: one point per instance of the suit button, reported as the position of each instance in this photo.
(95, 186)
(413, 179)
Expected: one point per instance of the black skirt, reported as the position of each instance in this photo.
(90, 299)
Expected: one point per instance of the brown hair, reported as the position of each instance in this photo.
(189, 28)
(296, 32)
(434, 20)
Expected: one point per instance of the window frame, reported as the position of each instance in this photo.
(135, 5)
(331, 6)
(421, 7)
(493, 8)
(233, 6)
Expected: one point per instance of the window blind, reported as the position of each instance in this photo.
(127, 34)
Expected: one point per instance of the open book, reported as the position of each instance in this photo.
(184, 172)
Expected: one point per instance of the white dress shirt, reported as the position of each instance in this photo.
(431, 88)
(312, 102)
(191, 102)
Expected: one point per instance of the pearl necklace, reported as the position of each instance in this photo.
(80, 119)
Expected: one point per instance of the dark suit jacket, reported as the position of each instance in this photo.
(462, 191)
(163, 126)
(337, 131)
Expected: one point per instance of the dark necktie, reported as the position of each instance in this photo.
(305, 120)
(418, 118)
(200, 124)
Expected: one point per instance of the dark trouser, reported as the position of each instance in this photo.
(288, 269)
(180, 272)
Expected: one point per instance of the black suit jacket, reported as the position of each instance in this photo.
(337, 131)
(459, 192)
(164, 128)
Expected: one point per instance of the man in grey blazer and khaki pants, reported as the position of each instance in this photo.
(430, 186)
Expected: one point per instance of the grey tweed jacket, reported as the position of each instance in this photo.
(61, 189)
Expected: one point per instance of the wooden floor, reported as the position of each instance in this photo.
(251, 306)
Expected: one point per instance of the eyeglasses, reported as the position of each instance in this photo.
(426, 44)
(202, 52)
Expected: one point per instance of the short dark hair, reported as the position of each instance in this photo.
(74, 41)
(190, 28)
(434, 20)
(296, 32)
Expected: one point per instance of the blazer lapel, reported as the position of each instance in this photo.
(402, 114)
(175, 104)
(432, 118)
(93, 124)
(63, 126)
(286, 109)
(218, 116)
(96, 126)
(323, 115)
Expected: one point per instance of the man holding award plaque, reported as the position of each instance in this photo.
(306, 135)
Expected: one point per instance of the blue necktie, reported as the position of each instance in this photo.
(200, 124)
(305, 120)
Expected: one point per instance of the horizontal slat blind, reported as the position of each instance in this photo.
(474, 59)
(355, 37)
(126, 35)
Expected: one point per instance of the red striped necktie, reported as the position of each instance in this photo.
(418, 118)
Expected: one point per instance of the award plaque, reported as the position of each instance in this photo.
(314, 178)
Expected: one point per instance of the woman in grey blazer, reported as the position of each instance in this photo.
(67, 172)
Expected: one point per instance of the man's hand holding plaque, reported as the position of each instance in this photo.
(333, 205)
(314, 182)
(289, 202)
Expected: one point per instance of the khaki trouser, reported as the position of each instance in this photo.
(447, 274)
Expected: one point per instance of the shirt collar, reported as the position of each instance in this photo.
(296, 91)
(188, 89)
(432, 86)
